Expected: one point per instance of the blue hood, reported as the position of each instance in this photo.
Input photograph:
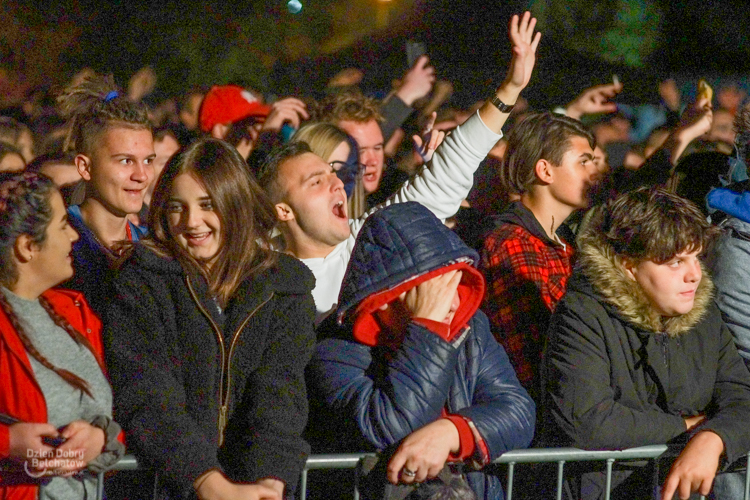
(398, 243)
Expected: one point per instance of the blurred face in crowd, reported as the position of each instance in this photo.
(572, 181)
(62, 174)
(600, 160)
(25, 144)
(12, 162)
(164, 149)
(371, 153)
(313, 205)
(189, 114)
(193, 222)
(670, 287)
(722, 127)
(119, 170)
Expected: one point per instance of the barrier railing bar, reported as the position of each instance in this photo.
(560, 468)
(610, 461)
(538, 455)
(356, 483)
(509, 488)
(511, 458)
(303, 483)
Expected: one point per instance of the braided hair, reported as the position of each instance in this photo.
(25, 209)
(95, 105)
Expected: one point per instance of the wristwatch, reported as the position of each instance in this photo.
(504, 108)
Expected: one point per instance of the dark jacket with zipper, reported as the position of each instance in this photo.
(182, 369)
(619, 375)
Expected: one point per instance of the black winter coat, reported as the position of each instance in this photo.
(164, 339)
(617, 375)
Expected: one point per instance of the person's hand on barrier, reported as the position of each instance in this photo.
(423, 453)
(417, 82)
(214, 486)
(695, 468)
(594, 100)
(290, 110)
(433, 299)
(25, 438)
(426, 145)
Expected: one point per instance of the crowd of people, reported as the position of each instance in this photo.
(222, 285)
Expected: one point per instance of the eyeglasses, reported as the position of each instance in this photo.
(338, 165)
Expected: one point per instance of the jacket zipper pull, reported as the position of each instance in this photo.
(222, 423)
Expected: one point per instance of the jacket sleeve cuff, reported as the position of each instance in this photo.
(4, 440)
(465, 438)
(440, 329)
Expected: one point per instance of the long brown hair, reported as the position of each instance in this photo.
(246, 214)
(25, 209)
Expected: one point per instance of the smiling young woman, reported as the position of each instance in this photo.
(210, 335)
(53, 392)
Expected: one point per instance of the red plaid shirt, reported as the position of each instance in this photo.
(526, 276)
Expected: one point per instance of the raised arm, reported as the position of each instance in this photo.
(447, 179)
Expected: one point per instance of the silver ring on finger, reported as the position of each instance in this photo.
(408, 473)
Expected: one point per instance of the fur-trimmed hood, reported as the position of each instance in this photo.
(604, 270)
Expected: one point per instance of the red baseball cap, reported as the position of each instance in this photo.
(229, 104)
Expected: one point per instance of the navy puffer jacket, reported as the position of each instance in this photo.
(384, 394)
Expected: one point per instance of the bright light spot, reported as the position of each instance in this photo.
(294, 6)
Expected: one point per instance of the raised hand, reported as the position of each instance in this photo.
(417, 82)
(594, 100)
(290, 110)
(525, 43)
(426, 145)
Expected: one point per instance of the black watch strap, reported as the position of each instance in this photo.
(504, 108)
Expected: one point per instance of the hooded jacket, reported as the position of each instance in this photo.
(182, 370)
(384, 387)
(618, 375)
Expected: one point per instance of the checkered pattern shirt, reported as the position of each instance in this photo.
(526, 276)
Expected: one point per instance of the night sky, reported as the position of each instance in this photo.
(466, 39)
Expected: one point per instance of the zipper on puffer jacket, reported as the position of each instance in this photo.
(226, 358)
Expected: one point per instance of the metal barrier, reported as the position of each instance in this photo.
(561, 456)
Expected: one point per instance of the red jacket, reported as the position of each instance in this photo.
(20, 395)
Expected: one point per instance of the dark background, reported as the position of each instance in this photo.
(260, 44)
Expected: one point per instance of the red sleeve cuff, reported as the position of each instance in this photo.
(440, 329)
(4, 441)
(465, 439)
